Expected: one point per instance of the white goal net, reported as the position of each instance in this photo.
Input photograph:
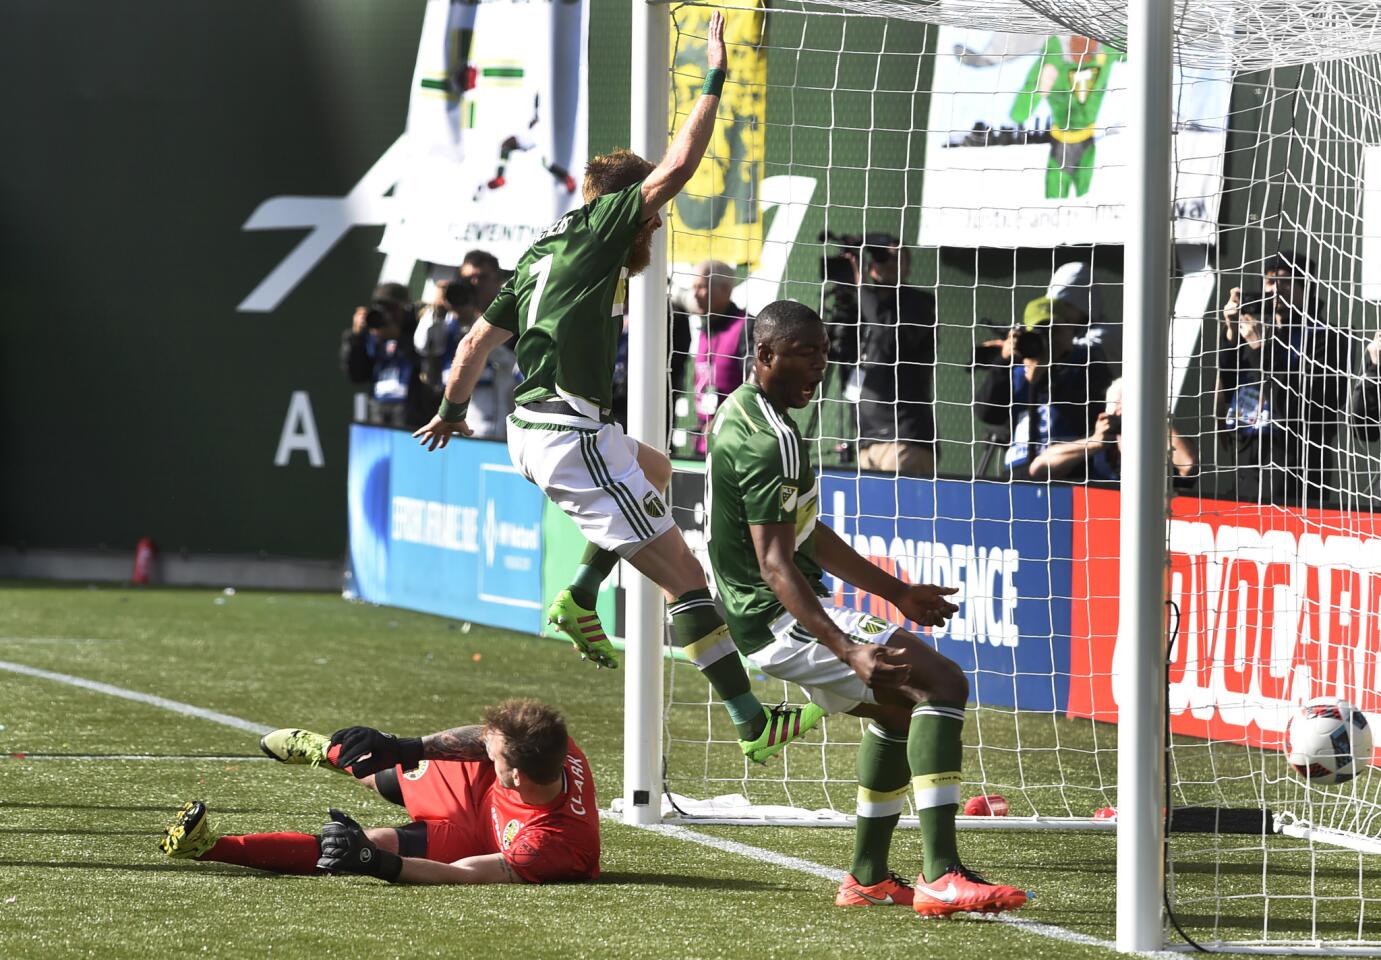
(945, 182)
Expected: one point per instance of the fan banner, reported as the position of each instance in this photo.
(1272, 608)
(496, 129)
(1027, 143)
(718, 215)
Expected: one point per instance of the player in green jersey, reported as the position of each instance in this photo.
(768, 554)
(565, 304)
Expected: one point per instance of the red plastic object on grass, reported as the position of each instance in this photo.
(144, 553)
(989, 805)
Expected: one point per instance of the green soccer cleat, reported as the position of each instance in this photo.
(582, 628)
(784, 724)
(190, 835)
(292, 745)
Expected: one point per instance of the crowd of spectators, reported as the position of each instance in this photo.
(400, 351)
(1047, 387)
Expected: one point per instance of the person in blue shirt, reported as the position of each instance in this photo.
(1282, 383)
(1047, 386)
(377, 351)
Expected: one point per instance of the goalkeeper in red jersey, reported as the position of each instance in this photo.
(565, 304)
(769, 554)
(511, 800)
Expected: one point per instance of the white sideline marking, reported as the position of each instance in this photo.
(186, 709)
(59, 640)
(151, 757)
(1047, 930)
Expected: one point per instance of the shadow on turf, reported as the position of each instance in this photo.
(1201, 926)
(1254, 870)
(681, 880)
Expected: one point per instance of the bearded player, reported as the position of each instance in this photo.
(565, 304)
(768, 554)
(511, 800)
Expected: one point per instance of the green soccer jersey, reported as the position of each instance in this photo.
(757, 471)
(565, 303)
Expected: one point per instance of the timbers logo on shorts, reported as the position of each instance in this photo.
(871, 626)
(654, 506)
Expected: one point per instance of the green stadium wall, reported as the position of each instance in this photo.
(137, 401)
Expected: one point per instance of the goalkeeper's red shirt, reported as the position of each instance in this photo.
(468, 813)
(558, 841)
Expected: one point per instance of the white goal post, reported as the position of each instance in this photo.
(1193, 744)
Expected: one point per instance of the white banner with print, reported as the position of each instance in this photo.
(496, 128)
(1027, 143)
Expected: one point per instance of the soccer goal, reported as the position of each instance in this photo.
(993, 157)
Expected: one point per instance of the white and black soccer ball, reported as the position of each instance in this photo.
(1329, 741)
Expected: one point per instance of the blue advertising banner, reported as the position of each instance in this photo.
(456, 532)
(1007, 547)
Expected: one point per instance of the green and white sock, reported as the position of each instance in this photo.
(884, 779)
(935, 749)
(697, 629)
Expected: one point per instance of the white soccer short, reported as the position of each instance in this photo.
(796, 656)
(593, 476)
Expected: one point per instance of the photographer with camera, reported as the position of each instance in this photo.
(442, 324)
(1044, 382)
(1098, 457)
(1281, 387)
(378, 350)
(882, 333)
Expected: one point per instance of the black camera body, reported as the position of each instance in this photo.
(377, 315)
(1033, 345)
(839, 267)
(1257, 304)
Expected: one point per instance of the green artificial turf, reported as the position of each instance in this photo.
(81, 873)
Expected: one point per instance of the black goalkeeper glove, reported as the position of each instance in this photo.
(364, 750)
(345, 849)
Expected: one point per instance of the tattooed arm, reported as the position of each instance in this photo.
(458, 743)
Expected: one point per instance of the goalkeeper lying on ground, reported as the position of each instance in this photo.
(508, 801)
(767, 552)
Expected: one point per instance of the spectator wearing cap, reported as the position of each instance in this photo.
(1048, 385)
(1282, 383)
(720, 357)
(885, 330)
(377, 350)
(1072, 284)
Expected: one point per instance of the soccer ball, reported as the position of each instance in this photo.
(1328, 741)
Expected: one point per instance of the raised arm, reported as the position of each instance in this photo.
(364, 750)
(686, 151)
(457, 743)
